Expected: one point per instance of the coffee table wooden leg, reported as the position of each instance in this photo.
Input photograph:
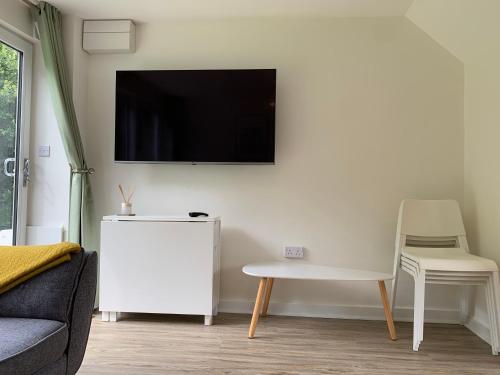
(387, 310)
(267, 297)
(256, 308)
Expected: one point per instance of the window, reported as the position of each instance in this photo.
(15, 90)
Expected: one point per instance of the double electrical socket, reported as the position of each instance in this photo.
(294, 252)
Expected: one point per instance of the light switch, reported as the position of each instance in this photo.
(44, 151)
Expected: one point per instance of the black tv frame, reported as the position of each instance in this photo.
(194, 162)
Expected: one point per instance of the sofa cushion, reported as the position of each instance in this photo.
(27, 345)
(48, 295)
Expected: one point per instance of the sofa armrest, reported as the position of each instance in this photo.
(81, 315)
(48, 295)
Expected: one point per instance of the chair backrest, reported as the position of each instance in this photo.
(430, 218)
(429, 223)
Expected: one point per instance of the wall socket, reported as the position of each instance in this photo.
(44, 151)
(294, 252)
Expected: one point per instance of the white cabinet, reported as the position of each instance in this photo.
(159, 264)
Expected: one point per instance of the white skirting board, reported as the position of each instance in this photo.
(404, 314)
(480, 328)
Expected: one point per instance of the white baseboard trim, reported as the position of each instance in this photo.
(480, 328)
(403, 314)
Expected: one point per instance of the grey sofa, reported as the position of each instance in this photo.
(45, 322)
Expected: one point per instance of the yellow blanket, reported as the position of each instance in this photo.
(20, 263)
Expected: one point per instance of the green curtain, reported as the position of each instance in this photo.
(49, 25)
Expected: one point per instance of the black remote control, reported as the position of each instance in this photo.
(196, 214)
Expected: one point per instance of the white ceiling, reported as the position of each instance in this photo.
(151, 10)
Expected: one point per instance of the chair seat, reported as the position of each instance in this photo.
(448, 259)
(27, 345)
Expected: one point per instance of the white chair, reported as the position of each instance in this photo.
(431, 246)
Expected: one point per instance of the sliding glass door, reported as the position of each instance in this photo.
(15, 90)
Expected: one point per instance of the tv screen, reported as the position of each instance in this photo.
(195, 116)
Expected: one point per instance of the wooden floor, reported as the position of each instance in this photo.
(162, 344)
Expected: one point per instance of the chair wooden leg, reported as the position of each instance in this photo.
(256, 308)
(387, 310)
(267, 297)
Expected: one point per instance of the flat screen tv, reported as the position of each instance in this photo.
(195, 116)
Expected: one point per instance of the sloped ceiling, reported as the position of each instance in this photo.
(151, 10)
(470, 29)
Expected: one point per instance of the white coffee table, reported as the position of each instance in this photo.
(267, 272)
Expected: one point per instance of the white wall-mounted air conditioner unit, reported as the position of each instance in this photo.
(109, 36)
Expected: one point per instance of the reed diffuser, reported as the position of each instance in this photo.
(126, 208)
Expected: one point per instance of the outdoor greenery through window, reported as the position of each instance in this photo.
(9, 88)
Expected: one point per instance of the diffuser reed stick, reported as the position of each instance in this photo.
(122, 193)
(131, 195)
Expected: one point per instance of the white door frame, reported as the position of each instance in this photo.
(23, 125)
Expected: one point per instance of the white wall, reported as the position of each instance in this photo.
(369, 111)
(77, 61)
(470, 30)
(16, 16)
(49, 186)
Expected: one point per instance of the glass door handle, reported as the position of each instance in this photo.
(6, 163)
(26, 172)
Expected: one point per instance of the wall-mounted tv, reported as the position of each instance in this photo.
(195, 116)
